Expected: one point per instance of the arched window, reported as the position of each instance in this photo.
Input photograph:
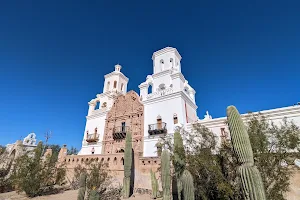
(186, 89)
(150, 88)
(104, 105)
(107, 86)
(162, 65)
(162, 86)
(175, 119)
(122, 160)
(115, 84)
(159, 122)
(122, 85)
(171, 62)
(115, 161)
(97, 105)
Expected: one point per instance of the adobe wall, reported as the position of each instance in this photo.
(142, 167)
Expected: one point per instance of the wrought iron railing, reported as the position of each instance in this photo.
(158, 128)
(120, 132)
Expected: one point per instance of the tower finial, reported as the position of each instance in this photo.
(118, 67)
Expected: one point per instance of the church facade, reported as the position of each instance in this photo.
(165, 101)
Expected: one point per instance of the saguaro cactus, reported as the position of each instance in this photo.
(178, 161)
(187, 185)
(94, 195)
(127, 166)
(82, 185)
(154, 185)
(252, 184)
(166, 175)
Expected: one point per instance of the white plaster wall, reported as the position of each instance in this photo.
(191, 112)
(161, 80)
(115, 77)
(109, 101)
(167, 64)
(276, 116)
(178, 81)
(166, 109)
(91, 124)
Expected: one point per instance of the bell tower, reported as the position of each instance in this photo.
(115, 84)
(166, 59)
(115, 81)
(169, 100)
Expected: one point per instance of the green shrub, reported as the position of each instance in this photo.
(35, 175)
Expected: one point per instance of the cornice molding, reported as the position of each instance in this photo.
(178, 75)
(116, 73)
(97, 115)
(166, 50)
(162, 98)
(162, 73)
(143, 85)
(171, 96)
(188, 99)
(273, 114)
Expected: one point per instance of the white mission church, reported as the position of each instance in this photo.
(165, 101)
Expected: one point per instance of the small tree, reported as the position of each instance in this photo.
(2, 149)
(72, 151)
(272, 146)
(204, 165)
(34, 175)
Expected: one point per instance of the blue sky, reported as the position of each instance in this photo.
(54, 54)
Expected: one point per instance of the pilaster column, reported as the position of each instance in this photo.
(92, 105)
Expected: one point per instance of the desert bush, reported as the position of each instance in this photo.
(35, 175)
(98, 179)
(78, 170)
(214, 168)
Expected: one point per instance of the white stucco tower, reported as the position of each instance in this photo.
(115, 84)
(167, 97)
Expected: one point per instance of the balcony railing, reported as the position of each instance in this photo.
(160, 93)
(158, 128)
(120, 132)
(92, 138)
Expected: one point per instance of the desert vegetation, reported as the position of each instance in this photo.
(255, 161)
(258, 151)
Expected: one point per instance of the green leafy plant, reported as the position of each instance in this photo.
(36, 175)
(273, 144)
(98, 180)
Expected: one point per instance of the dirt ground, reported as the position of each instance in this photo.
(69, 195)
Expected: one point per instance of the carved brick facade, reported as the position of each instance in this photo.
(126, 115)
